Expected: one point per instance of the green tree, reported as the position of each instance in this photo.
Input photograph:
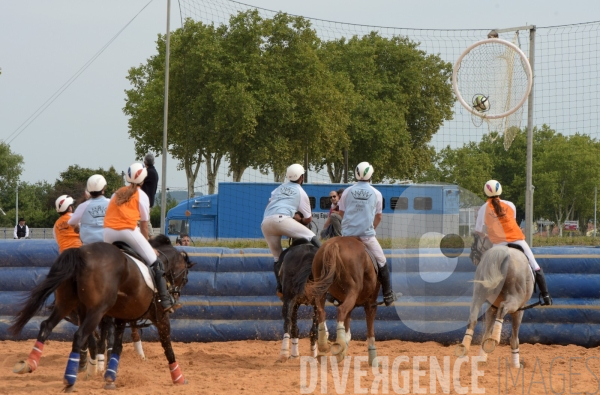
(36, 205)
(73, 181)
(403, 97)
(11, 167)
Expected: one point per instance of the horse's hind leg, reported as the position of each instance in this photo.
(113, 360)
(322, 337)
(340, 347)
(286, 312)
(490, 343)
(137, 342)
(479, 296)
(295, 332)
(313, 333)
(60, 311)
(370, 312)
(490, 314)
(89, 321)
(517, 317)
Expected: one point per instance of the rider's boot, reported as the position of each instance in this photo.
(384, 279)
(315, 241)
(540, 280)
(276, 270)
(166, 300)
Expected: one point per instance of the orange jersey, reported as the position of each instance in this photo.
(65, 234)
(503, 229)
(125, 216)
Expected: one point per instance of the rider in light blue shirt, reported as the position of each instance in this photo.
(90, 214)
(361, 210)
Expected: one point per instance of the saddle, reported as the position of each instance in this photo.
(373, 261)
(139, 261)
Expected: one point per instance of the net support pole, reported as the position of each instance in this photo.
(529, 168)
(163, 184)
(345, 165)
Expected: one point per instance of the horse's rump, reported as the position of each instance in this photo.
(297, 268)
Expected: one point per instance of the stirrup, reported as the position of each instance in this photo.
(389, 299)
(171, 309)
(545, 300)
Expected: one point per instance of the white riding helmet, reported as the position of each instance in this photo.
(492, 188)
(136, 173)
(63, 203)
(294, 172)
(96, 183)
(363, 171)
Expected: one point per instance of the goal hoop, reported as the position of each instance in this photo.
(477, 72)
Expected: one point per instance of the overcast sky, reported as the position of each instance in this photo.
(43, 44)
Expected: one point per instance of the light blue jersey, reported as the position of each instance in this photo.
(360, 203)
(92, 220)
(285, 200)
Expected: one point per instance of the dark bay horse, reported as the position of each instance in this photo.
(503, 277)
(97, 280)
(295, 272)
(343, 268)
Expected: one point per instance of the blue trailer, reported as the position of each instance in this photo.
(236, 211)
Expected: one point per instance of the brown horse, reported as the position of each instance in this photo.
(97, 280)
(343, 268)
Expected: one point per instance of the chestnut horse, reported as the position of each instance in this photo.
(97, 280)
(343, 268)
(503, 277)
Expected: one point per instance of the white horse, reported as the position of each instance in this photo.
(503, 278)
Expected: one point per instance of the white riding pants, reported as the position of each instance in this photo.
(375, 248)
(136, 241)
(275, 226)
(523, 244)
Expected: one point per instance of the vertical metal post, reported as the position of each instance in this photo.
(529, 169)
(163, 184)
(595, 204)
(17, 207)
(346, 166)
(306, 166)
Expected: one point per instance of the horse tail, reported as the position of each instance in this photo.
(490, 267)
(63, 269)
(331, 262)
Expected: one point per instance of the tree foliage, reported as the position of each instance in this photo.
(565, 171)
(263, 93)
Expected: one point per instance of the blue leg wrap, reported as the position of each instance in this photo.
(111, 369)
(72, 367)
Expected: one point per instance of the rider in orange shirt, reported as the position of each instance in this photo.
(499, 217)
(126, 207)
(65, 235)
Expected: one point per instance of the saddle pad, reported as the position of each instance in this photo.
(145, 272)
(373, 261)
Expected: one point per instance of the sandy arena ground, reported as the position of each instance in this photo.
(250, 367)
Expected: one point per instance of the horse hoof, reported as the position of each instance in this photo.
(282, 359)
(82, 369)
(184, 382)
(22, 367)
(294, 356)
(110, 386)
(460, 350)
(69, 388)
(489, 345)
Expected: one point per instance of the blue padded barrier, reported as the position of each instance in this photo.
(230, 296)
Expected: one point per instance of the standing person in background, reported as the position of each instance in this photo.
(90, 214)
(66, 236)
(150, 185)
(333, 225)
(21, 230)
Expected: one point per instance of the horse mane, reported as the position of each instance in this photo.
(159, 241)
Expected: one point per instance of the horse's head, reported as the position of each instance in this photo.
(481, 243)
(177, 264)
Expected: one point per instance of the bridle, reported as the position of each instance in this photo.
(172, 278)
